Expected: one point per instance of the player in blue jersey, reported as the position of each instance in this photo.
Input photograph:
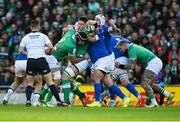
(20, 71)
(102, 64)
(122, 74)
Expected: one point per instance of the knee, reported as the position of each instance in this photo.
(145, 84)
(124, 82)
(69, 72)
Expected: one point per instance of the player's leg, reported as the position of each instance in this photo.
(47, 76)
(31, 71)
(124, 79)
(20, 69)
(105, 64)
(99, 70)
(75, 88)
(130, 87)
(70, 72)
(43, 93)
(147, 79)
(116, 90)
(29, 89)
(151, 71)
(102, 67)
(13, 87)
(96, 77)
(38, 87)
(56, 78)
(164, 92)
(80, 66)
(56, 74)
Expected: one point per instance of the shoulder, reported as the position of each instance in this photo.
(25, 37)
(132, 47)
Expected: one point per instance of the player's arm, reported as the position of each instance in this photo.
(131, 64)
(112, 27)
(92, 37)
(50, 49)
(22, 46)
(91, 22)
(74, 59)
(21, 50)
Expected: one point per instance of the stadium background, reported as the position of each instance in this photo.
(154, 24)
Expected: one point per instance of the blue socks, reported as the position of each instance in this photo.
(115, 89)
(132, 89)
(97, 91)
(102, 88)
(112, 95)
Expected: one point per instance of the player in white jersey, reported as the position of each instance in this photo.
(35, 42)
(20, 72)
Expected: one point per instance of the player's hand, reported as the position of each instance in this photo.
(111, 21)
(86, 56)
(117, 64)
(57, 47)
(47, 51)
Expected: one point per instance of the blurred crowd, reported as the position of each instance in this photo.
(154, 24)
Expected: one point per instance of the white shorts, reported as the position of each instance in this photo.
(52, 61)
(56, 75)
(155, 65)
(54, 65)
(82, 65)
(103, 64)
(121, 73)
(20, 68)
(112, 56)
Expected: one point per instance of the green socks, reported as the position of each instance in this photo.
(66, 90)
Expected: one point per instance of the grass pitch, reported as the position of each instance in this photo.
(77, 113)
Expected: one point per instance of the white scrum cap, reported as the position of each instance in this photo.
(101, 18)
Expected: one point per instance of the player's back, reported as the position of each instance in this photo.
(114, 40)
(35, 43)
(142, 54)
(107, 38)
(98, 49)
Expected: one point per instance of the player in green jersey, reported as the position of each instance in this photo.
(67, 47)
(152, 65)
(76, 68)
(79, 66)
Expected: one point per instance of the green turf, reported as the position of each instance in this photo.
(22, 113)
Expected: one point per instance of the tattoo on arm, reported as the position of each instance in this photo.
(131, 64)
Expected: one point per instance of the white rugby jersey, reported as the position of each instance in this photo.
(35, 43)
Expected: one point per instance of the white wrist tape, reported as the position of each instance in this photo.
(97, 37)
(55, 48)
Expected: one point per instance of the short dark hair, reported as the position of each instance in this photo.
(83, 18)
(34, 23)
